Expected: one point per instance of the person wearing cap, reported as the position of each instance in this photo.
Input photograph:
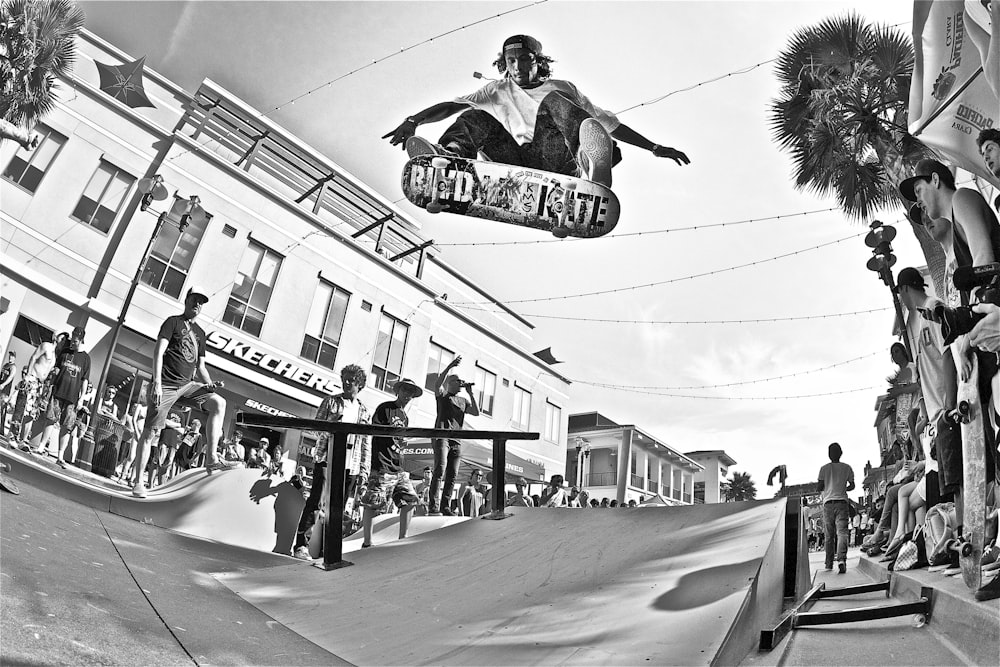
(389, 481)
(179, 358)
(529, 119)
(70, 382)
(451, 411)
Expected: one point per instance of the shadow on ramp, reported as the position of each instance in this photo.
(671, 585)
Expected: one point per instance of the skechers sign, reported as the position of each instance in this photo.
(282, 368)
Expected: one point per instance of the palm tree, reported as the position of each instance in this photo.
(741, 487)
(37, 45)
(842, 113)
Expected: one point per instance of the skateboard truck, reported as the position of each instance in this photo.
(962, 414)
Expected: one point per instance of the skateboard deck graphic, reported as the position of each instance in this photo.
(970, 544)
(563, 205)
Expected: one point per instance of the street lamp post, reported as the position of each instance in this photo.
(182, 209)
(879, 239)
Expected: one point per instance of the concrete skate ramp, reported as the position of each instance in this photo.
(670, 586)
(238, 507)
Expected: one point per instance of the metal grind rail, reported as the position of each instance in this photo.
(336, 459)
(799, 616)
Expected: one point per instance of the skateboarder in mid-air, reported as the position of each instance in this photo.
(529, 119)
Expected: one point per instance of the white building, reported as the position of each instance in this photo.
(623, 462)
(716, 465)
(309, 269)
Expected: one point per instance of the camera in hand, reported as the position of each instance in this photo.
(985, 281)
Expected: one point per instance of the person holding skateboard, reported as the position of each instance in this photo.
(529, 119)
(451, 411)
(178, 357)
(389, 482)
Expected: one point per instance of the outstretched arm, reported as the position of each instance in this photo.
(431, 114)
(625, 133)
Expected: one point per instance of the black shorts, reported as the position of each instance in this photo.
(948, 453)
(61, 412)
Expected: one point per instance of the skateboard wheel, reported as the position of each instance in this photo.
(439, 162)
(919, 620)
(966, 549)
(434, 207)
(560, 232)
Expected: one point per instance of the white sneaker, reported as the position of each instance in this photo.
(594, 155)
(302, 553)
(139, 490)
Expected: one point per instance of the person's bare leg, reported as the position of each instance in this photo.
(405, 513)
(215, 406)
(367, 516)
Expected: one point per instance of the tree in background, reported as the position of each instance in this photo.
(842, 114)
(37, 45)
(740, 487)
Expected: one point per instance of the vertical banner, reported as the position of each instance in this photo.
(951, 99)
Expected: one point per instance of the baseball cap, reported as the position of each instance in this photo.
(526, 42)
(924, 169)
(197, 291)
(910, 277)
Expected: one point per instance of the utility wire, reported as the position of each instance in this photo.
(749, 398)
(794, 318)
(732, 384)
(660, 282)
(650, 232)
(745, 70)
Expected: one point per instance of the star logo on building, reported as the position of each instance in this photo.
(124, 83)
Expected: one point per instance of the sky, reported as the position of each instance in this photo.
(384, 66)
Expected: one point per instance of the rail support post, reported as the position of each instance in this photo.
(333, 530)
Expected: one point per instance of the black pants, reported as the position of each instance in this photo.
(312, 504)
(552, 148)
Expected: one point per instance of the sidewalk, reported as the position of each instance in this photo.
(892, 641)
(86, 587)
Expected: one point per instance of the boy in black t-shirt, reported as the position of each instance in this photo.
(71, 381)
(179, 356)
(387, 464)
(451, 411)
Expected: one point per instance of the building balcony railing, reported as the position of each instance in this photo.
(637, 481)
(677, 494)
(227, 130)
(651, 485)
(601, 479)
(687, 498)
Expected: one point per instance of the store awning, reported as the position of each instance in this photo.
(475, 454)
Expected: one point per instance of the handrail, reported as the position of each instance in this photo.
(336, 460)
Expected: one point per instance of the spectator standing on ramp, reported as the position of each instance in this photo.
(179, 356)
(835, 480)
(71, 380)
(451, 411)
(389, 482)
(7, 375)
(342, 407)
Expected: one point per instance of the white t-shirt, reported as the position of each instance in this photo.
(929, 349)
(516, 107)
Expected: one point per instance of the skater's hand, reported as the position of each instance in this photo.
(986, 334)
(155, 393)
(672, 153)
(965, 355)
(404, 131)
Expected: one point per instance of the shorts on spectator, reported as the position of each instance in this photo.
(378, 495)
(156, 414)
(61, 412)
(948, 453)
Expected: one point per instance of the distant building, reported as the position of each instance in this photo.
(623, 462)
(309, 269)
(716, 465)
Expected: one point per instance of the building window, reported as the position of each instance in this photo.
(439, 358)
(252, 290)
(553, 420)
(389, 349)
(522, 408)
(487, 384)
(103, 197)
(173, 251)
(26, 168)
(325, 324)
(32, 332)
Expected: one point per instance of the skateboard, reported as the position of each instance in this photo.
(557, 203)
(204, 391)
(6, 484)
(969, 544)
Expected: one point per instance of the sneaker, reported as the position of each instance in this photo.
(419, 146)
(939, 562)
(61, 464)
(139, 490)
(447, 511)
(828, 568)
(594, 155)
(302, 553)
(221, 465)
(954, 564)
(989, 591)
(433, 513)
(841, 567)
